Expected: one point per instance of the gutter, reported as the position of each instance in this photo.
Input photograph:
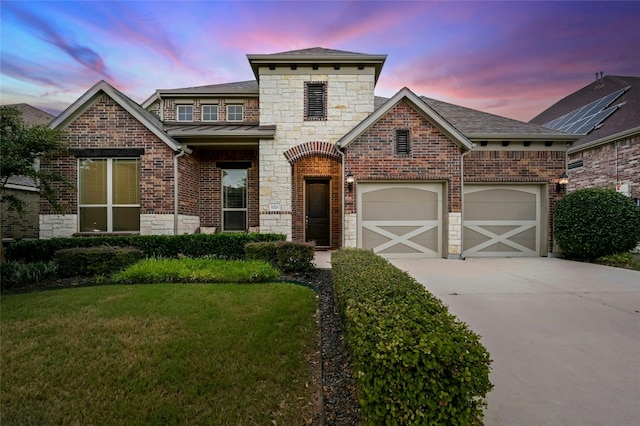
(175, 188)
(605, 140)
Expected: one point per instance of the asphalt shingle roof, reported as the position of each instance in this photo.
(624, 118)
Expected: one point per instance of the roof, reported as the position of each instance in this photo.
(221, 130)
(477, 125)
(423, 108)
(32, 115)
(143, 116)
(317, 55)
(624, 121)
(244, 88)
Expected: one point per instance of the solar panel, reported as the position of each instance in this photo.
(582, 120)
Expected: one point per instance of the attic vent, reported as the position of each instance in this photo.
(316, 101)
(402, 141)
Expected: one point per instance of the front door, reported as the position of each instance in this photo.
(317, 208)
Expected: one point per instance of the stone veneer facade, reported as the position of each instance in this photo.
(350, 99)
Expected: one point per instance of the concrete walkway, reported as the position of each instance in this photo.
(564, 336)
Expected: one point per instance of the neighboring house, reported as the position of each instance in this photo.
(307, 150)
(16, 225)
(606, 116)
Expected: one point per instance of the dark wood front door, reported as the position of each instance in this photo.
(317, 210)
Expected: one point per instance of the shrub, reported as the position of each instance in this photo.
(224, 246)
(284, 255)
(196, 271)
(414, 362)
(595, 222)
(15, 275)
(265, 250)
(92, 261)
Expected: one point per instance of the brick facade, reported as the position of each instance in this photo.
(542, 167)
(317, 167)
(105, 124)
(210, 194)
(17, 225)
(605, 165)
(433, 156)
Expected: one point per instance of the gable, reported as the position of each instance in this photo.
(102, 88)
(418, 107)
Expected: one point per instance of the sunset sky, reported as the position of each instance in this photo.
(513, 59)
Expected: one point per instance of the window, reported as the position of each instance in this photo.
(185, 112)
(234, 200)
(402, 142)
(109, 194)
(234, 112)
(315, 101)
(209, 112)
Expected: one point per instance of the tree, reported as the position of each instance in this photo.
(594, 222)
(21, 148)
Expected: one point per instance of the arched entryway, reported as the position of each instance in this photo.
(316, 193)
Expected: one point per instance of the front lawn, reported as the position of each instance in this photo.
(159, 354)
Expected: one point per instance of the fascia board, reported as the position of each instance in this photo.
(497, 137)
(605, 140)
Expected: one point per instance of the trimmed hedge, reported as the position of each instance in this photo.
(287, 256)
(92, 261)
(223, 246)
(595, 222)
(414, 362)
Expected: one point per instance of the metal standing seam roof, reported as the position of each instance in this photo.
(213, 130)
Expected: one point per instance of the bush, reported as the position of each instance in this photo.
(284, 255)
(15, 275)
(223, 246)
(595, 222)
(92, 261)
(414, 362)
(197, 271)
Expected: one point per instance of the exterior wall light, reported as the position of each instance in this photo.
(561, 185)
(350, 180)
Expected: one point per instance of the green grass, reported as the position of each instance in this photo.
(158, 354)
(622, 260)
(197, 271)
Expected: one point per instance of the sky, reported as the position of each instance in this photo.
(509, 58)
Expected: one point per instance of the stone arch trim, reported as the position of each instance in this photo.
(324, 149)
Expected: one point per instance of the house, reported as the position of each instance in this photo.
(16, 226)
(308, 150)
(606, 116)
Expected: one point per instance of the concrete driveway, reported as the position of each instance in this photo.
(564, 336)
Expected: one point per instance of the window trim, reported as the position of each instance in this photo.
(245, 209)
(241, 112)
(109, 205)
(180, 106)
(310, 115)
(202, 108)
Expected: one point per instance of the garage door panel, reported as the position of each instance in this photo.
(400, 219)
(502, 220)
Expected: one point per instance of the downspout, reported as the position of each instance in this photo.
(175, 189)
(462, 201)
(343, 194)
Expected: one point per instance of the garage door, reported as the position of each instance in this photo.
(400, 219)
(502, 220)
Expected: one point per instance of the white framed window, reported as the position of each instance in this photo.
(234, 112)
(109, 194)
(185, 113)
(234, 200)
(209, 112)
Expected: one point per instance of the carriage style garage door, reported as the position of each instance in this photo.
(503, 220)
(400, 219)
